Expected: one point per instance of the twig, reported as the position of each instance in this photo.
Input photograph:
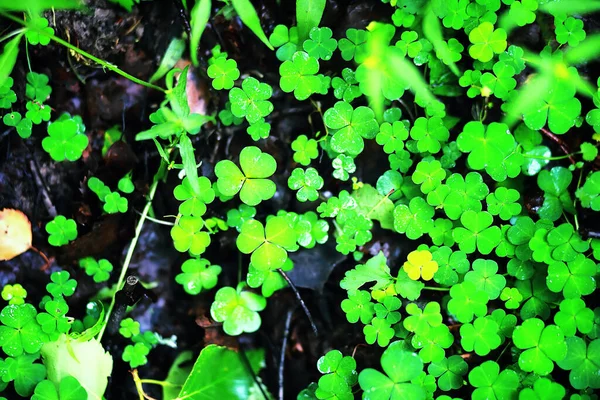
(41, 254)
(39, 180)
(286, 333)
(563, 146)
(302, 304)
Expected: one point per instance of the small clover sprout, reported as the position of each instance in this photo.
(298, 75)
(115, 203)
(99, 270)
(125, 184)
(503, 202)
(136, 354)
(237, 309)
(61, 285)
(420, 265)
(321, 44)
(251, 101)
(38, 31)
(268, 244)
(512, 297)
(251, 180)
(259, 130)
(380, 331)
(420, 321)
(358, 306)
(339, 375)
(197, 274)
(187, 235)
(37, 87)
(353, 45)
(20, 331)
(129, 327)
(570, 31)
(343, 166)
(37, 112)
(543, 346)
(61, 230)
(14, 294)
(345, 88)
(66, 140)
(22, 125)
(414, 219)
(486, 42)
(287, 41)
(53, 321)
(194, 204)
(392, 136)
(237, 216)
(305, 150)
(350, 127)
(224, 72)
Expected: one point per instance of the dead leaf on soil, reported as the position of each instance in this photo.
(15, 234)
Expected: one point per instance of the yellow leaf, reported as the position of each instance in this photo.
(420, 265)
(15, 234)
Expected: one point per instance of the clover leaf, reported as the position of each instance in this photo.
(451, 264)
(555, 183)
(583, 362)
(115, 203)
(37, 87)
(343, 166)
(65, 141)
(14, 294)
(565, 243)
(305, 150)
(321, 44)
(429, 174)
(419, 264)
(358, 306)
(237, 216)
(414, 219)
(589, 193)
(194, 204)
(467, 301)
(24, 371)
(187, 235)
(449, 372)
(512, 297)
(224, 72)
(484, 276)
(307, 183)
(251, 180)
(421, 321)
(477, 232)
(387, 309)
(430, 134)
(491, 383)
(287, 41)
(501, 82)
(543, 388)
(559, 108)
(136, 354)
(268, 244)
(20, 332)
(22, 125)
(339, 374)
(61, 284)
(486, 42)
(69, 388)
(380, 331)
(345, 88)
(574, 316)
(570, 31)
(38, 31)
(392, 136)
(503, 202)
(251, 101)
(536, 297)
(433, 344)
(237, 309)
(400, 367)
(459, 194)
(574, 279)
(349, 126)
(53, 321)
(37, 112)
(481, 336)
(7, 96)
(543, 346)
(298, 75)
(197, 274)
(129, 328)
(100, 270)
(352, 46)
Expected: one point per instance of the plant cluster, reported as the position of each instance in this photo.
(493, 296)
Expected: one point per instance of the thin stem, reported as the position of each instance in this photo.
(439, 289)
(87, 55)
(161, 383)
(549, 158)
(299, 298)
(11, 34)
(130, 251)
(286, 333)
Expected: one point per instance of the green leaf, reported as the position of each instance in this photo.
(237, 309)
(490, 383)
(449, 372)
(477, 233)
(247, 14)
(61, 284)
(172, 55)
(400, 367)
(349, 126)
(9, 58)
(298, 75)
(486, 42)
(574, 316)
(40, 5)
(415, 219)
(66, 140)
(199, 19)
(484, 276)
(583, 361)
(198, 275)
(308, 16)
(224, 72)
(68, 389)
(251, 101)
(24, 371)
(61, 230)
(178, 374)
(375, 269)
(482, 336)
(543, 346)
(467, 301)
(268, 245)
(574, 279)
(321, 44)
(222, 373)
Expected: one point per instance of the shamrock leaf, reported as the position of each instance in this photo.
(343, 166)
(287, 41)
(53, 321)
(37, 87)
(421, 321)
(574, 316)
(558, 107)
(14, 294)
(486, 42)
(20, 332)
(61, 285)
(25, 373)
(224, 72)
(305, 150)
(237, 309)
(321, 44)
(251, 180)
(187, 235)
(574, 279)
(340, 373)
(589, 193)
(380, 331)
(197, 274)
(415, 219)
(269, 244)
(484, 276)
(543, 388)
(237, 216)
(38, 31)
(583, 361)
(115, 203)
(481, 336)
(268, 280)
(477, 232)
(68, 389)
(555, 183)
(570, 31)
(491, 383)
(501, 82)
(298, 75)
(349, 126)
(358, 306)
(194, 204)
(345, 88)
(459, 194)
(100, 270)
(430, 134)
(251, 101)
(37, 112)
(306, 182)
(136, 354)
(565, 243)
(429, 174)
(129, 328)
(386, 309)
(400, 367)
(432, 345)
(392, 136)
(467, 301)
(542, 345)
(451, 264)
(503, 202)
(420, 264)
(449, 372)
(65, 141)
(352, 46)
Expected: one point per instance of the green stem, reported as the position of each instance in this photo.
(11, 34)
(161, 383)
(439, 289)
(549, 158)
(130, 251)
(85, 54)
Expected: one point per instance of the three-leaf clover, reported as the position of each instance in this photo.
(22, 125)
(428, 174)
(136, 354)
(392, 136)
(53, 321)
(491, 383)
(187, 235)
(574, 279)
(305, 150)
(65, 140)
(224, 72)
(358, 306)
(543, 346)
(467, 301)
(298, 75)
(38, 31)
(414, 219)
(343, 166)
(237, 309)
(430, 134)
(482, 336)
(37, 87)
(484, 276)
(251, 180)
(449, 372)
(477, 232)
(100, 270)
(197, 274)
(194, 203)
(321, 44)
(352, 46)
(570, 31)
(37, 112)
(61, 284)
(115, 203)
(306, 182)
(574, 316)
(589, 193)
(68, 389)
(501, 82)
(19, 331)
(340, 374)
(14, 294)
(555, 184)
(583, 362)
(345, 88)
(559, 107)
(486, 42)
(503, 202)
(237, 216)
(251, 101)
(349, 127)
(129, 328)
(268, 244)
(420, 264)
(380, 331)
